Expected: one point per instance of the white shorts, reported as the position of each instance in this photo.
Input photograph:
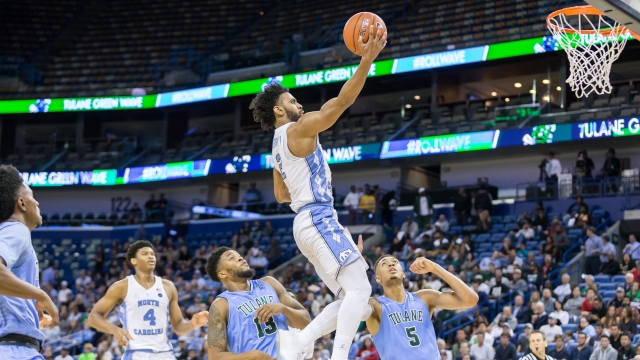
(148, 355)
(326, 244)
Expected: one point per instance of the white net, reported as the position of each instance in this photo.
(592, 44)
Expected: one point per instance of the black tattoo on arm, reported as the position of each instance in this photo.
(217, 336)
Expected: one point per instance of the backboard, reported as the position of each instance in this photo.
(626, 12)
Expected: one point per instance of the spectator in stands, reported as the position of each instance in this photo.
(520, 311)
(551, 329)
(564, 289)
(588, 302)
(259, 263)
(162, 205)
(548, 248)
(560, 352)
(442, 224)
(423, 208)
(627, 322)
(505, 351)
(64, 354)
(252, 195)
(634, 293)
(540, 221)
(575, 208)
(48, 275)
(618, 300)
(482, 350)
(627, 264)
(409, 227)
(483, 224)
(368, 350)
(598, 311)
(526, 233)
(523, 342)
(367, 207)
(548, 301)
(388, 205)
(135, 214)
(351, 203)
(632, 248)
(504, 249)
(465, 352)
(518, 282)
(625, 351)
(593, 249)
(607, 248)
(614, 336)
(274, 250)
(483, 297)
(88, 353)
(140, 234)
(605, 351)
(583, 351)
(609, 318)
(611, 267)
(585, 327)
(561, 314)
(505, 316)
(442, 347)
(548, 266)
(461, 338)
(461, 206)
(629, 279)
(64, 293)
(552, 168)
(483, 200)
(540, 317)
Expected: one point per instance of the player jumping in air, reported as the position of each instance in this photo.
(246, 321)
(146, 304)
(303, 178)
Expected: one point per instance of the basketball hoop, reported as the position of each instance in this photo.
(592, 42)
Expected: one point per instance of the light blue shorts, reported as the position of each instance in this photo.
(16, 352)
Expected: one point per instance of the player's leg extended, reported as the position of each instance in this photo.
(333, 253)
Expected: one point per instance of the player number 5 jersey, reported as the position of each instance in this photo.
(144, 313)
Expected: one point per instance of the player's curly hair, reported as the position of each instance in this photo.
(133, 249)
(10, 184)
(212, 262)
(262, 105)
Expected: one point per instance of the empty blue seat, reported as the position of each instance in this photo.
(455, 229)
(510, 227)
(519, 329)
(482, 238)
(498, 236)
(571, 327)
(636, 338)
(571, 346)
(607, 286)
(551, 346)
(602, 278)
(497, 228)
(608, 294)
(575, 232)
(485, 254)
(618, 279)
(532, 245)
(509, 219)
(496, 219)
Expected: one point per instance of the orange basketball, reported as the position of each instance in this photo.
(360, 24)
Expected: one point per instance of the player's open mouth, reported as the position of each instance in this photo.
(393, 270)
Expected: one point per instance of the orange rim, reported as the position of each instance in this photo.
(580, 10)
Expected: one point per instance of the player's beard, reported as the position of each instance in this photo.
(246, 273)
(293, 115)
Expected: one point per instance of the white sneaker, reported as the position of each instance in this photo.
(289, 348)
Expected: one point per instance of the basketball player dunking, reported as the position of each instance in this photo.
(246, 321)
(146, 303)
(302, 176)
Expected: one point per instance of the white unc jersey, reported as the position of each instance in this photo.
(308, 179)
(144, 313)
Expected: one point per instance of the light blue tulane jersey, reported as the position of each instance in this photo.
(19, 316)
(244, 333)
(406, 331)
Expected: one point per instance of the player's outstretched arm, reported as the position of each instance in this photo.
(295, 313)
(179, 325)
(98, 316)
(462, 296)
(280, 188)
(373, 322)
(315, 122)
(217, 336)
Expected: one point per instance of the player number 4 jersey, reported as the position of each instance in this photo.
(144, 313)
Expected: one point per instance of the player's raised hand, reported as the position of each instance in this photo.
(423, 266)
(360, 243)
(266, 311)
(44, 303)
(200, 319)
(122, 337)
(376, 42)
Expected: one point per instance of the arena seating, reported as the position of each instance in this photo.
(128, 44)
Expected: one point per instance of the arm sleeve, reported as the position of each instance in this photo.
(13, 239)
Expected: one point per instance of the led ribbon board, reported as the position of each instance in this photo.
(292, 81)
